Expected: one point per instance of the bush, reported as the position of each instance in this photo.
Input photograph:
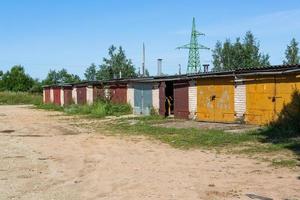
(288, 122)
(99, 109)
(15, 98)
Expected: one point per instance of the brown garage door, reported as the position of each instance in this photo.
(118, 94)
(68, 96)
(81, 95)
(181, 96)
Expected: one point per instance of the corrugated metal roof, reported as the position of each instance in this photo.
(239, 71)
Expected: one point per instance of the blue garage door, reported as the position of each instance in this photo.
(142, 98)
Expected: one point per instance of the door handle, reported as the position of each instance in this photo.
(213, 97)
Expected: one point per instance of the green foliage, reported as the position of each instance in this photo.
(98, 109)
(116, 63)
(288, 122)
(49, 106)
(90, 73)
(246, 54)
(292, 53)
(16, 80)
(61, 76)
(15, 98)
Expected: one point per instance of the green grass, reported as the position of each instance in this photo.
(182, 138)
(98, 109)
(15, 98)
(255, 143)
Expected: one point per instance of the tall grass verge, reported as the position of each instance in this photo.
(15, 98)
(98, 109)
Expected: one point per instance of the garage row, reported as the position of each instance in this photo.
(253, 96)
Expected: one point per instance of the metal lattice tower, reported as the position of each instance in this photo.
(194, 65)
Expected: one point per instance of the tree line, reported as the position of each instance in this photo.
(242, 53)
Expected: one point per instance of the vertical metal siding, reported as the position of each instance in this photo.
(181, 102)
(47, 95)
(266, 97)
(215, 100)
(81, 95)
(142, 98)
(56, 96)
(118, 93)
(68, 96)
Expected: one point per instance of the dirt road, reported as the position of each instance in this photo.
(44, 156)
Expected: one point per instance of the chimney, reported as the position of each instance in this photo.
(205, 68)
(159, 70)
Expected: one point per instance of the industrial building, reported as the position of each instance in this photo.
(253, 96)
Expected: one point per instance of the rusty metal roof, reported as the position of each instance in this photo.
(274, 69)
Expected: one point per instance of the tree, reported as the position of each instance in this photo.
(147, 74)
(246, 54)
(292, 53)
(90, 73)
(16, 80)
(61, 76)
(116, 63)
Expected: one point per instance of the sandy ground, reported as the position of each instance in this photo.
(43, 156)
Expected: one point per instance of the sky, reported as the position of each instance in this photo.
(55, 34)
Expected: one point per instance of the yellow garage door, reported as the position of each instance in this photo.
(267, 96)
(215, 100)
(259, 100)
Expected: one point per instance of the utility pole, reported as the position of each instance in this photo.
(143, 61)
(194, 65)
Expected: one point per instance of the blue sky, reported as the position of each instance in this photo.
(52, 34)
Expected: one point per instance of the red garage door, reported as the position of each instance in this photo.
(56, 96)
(68, 96)
(81, 95)
(181, 100)
(118, 93)
(47, 95)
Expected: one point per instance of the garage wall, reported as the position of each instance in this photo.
(74, 95)
(89, 95)
(62, 96)
(51, 96)
(130, 95)
(192, 99)
(162, 98)
(240, 99)
(155, 97)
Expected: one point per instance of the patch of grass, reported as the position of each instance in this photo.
(183, 138)
(98, 109)
(284, 163)
(49, 107)
(16, 98)
(250, 143)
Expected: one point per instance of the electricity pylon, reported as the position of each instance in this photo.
(194, 65)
